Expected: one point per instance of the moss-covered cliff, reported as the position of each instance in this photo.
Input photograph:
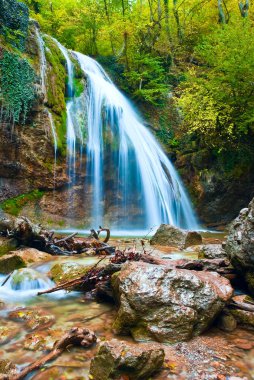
(27, 151)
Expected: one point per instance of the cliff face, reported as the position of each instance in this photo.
(27, 160)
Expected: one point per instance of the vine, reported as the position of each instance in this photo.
(17, 90)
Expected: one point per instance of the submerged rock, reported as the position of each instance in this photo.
(212, 251)
(166, 304)
(7, 368)
(33, 318)
(240, 244)
(175, 237)
(116, 360)
(8, 330)
(69, 270)
(7, 245)
(21, 259)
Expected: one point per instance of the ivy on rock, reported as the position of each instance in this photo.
(17, 88)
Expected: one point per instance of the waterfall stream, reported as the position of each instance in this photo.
(144, 189)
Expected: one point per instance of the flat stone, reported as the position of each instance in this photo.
(21, 259)
(116, 359)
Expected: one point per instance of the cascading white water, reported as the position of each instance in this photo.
(54, 135)
(43, 63)
(23, 283)
(147, 190)
(71, 133)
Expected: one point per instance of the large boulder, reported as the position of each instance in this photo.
(116, 360)
(240, 244)
(21, 259)
(158, 302)
(175, 237)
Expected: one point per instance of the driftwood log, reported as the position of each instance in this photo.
(35, 236)
(75, 337)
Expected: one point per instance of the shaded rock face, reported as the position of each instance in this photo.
(212, 251)
(167, 305)
(6, 245)
(116, 359)
(240, 244)
(218, 194)
(175, 237)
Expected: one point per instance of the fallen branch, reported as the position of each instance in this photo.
(80, 281)
(242, 305)
(76, 337)
(66, 238)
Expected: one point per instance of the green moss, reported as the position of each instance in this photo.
(67, 271)
(78, 87)
(13, 206)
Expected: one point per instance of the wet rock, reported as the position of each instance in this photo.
(42, 340)
(175, 237)
(7, 368)
(8, 330)
(244, 318)
(9, 263)
(227, 322)
(7, 245)
(21, 259)
(240, 244)
(33, 318)
(166, 304)
(69, 270)
(116, 360)
(212, 251)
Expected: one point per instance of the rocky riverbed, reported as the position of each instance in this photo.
(183, 313)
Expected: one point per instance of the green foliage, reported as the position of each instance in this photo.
(218, 98)
(14, 18)
(13, 206)
(17, 88)
(147, 79)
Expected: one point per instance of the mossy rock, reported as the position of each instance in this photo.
(9, 263)
(117, 359)
(62, 272)
(249, 277)
(7, 245)
(13, 206)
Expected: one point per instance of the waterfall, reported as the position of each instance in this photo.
(43, 63)
(71, 133)
(126, 167)
(54, 135)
